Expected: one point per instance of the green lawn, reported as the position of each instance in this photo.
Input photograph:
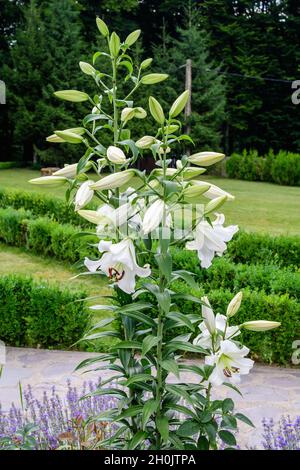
(260, 207)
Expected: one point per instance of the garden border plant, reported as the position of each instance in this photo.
(145, 355)
(40, 314)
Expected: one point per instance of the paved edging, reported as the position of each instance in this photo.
(267, 391)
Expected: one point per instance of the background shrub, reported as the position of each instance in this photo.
(285, 168)
(281, 168)
(37, 314)
(45, 236)
(42, 205)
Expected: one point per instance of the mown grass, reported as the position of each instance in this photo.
(258, 207)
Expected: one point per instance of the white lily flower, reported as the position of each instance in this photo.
(222, 330)
(230, 363)
(84, 195)
(214, 191)
(153, 216)
(69, 171)
(210, 240)
(116, 155)
(119, 263)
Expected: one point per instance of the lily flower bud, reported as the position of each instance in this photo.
(115, 180)
(145, 142)
(69, 171)
(116, 155)
(206, 158)
(234, 305)
(49, 180)
(84, 195)
(260, 325)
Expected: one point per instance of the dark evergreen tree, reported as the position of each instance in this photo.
(45, 58)
(208, 89)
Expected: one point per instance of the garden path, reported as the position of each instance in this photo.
(267, 391)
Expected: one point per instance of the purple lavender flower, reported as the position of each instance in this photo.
(285, 435)
(54, 417)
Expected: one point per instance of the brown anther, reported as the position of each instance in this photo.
(114, 273)
(227, 372)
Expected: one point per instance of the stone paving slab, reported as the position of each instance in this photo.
(267, 391)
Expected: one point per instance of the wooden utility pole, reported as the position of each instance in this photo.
(188, 86)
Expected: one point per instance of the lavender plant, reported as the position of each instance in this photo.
(53, 422)
(139, 224)
(284, 435)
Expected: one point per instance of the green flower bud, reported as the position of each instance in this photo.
(156, 110)
(102, 27)
(153, 78)
(72, 95)
(179, 104)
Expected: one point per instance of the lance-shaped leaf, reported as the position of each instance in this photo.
(148, 343)
(171, 365)
(149, 408)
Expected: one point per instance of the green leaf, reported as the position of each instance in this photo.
(181, 319)
(178, 345)
(180, 391)
(203, 443)
(171, 365)
(228, 384)
(227, 437)
(229, 422)
(148, 343)
(139, 378)
(162, 424)
(149, 408)
(134, 307)
(227, 405)
(140, 317)
(164, 261)
(100, 334)
(106, 391)
(134, 410)
(180, 409)
(244, 418)
(128, 345)
(164, 300)
(187, 277)
(188, 428)
(137, 438)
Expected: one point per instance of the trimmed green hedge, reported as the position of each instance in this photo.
(249, 248)
(224, 274)
(37, 314)
(282, 168)
(7, 165)
(44, 236)
(42, 205)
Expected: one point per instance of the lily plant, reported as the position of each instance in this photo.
(139, 219)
